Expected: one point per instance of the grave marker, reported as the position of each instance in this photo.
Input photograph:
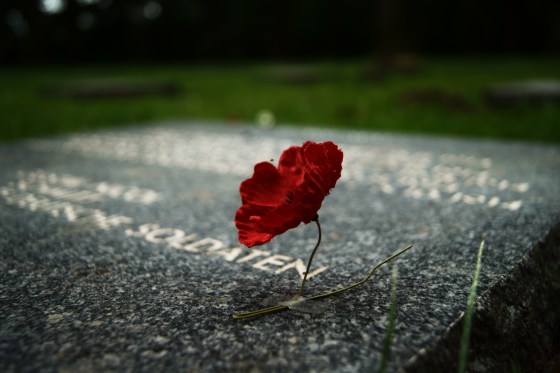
(119, 251)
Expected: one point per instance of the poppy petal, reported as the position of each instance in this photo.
(265, 188)
(277, 199)
(246, 218)
(279, 220)
(291, 165)
(324, 164)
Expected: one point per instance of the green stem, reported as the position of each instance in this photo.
(264, 311)
(311, 257)
(375, 268)
(387, 339)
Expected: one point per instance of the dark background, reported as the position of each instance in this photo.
(67, 31)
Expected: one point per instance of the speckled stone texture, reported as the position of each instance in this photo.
(119, 253)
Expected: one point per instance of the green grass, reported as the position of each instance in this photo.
(340, 97)
(467, 325)
(388, 338)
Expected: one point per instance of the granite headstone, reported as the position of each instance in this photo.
(119, 252)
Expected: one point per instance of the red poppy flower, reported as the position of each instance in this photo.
(277, 199)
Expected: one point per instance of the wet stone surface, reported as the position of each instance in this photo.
(119, 252)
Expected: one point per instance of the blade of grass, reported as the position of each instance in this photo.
(467, 325)
(388, 338)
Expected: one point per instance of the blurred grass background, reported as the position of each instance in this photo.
(440, 97)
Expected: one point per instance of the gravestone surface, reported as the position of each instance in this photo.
(119, 251)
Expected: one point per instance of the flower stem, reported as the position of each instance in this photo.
(264, 311)
(301, 289)
(384, 261)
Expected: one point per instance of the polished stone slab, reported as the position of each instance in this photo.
(119, 250)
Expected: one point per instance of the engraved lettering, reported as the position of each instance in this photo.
(229, 254)
(255, 253)
(276, 260)
(300, 267)
(142, 230)
(512, 206)
(164, 235)
(206, 244)
(179, 242)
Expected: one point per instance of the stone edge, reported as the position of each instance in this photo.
(516, 323)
